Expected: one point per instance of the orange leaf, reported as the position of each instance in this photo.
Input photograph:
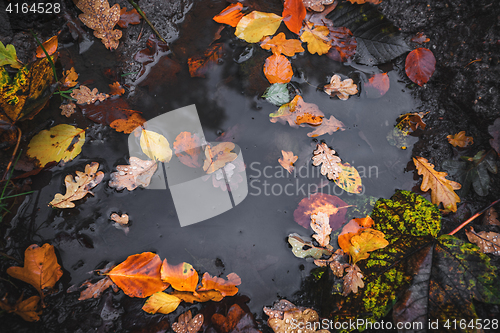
(294, 13)
(230, 15)
(130, 17)
(460, 140)
(377, 85)
(350, 229)
(181, 277)
(198, 296)
(360, 2)
(98, 16)
(226, 288)
(218, 156)
(327, 126)
(187, 148)
(280, 45)
(41, 269)
(116, 89)
(28, 309)
(50, 46)
(129, 124)
(95, 290)
(278, 69)
(420, 65)
(298, 112)
(199, 66)
(139, 275)
(69, 78)
(287, 160)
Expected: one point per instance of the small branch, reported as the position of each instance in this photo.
(473, 217)
(139, 10)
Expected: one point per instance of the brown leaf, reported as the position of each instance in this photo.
(187, 148)
(198, 296)
(352, 280)
(460, 140)
(69, 78)
(410, 122)
(225, 287)
(279, 308)
(98, 16)
(317, 5)
(488, 242)
(95, 290)
(28, 309)
(298, 113)
(187, 324)
(330, 163)
(129, 124)
(84, 95)
(307, 319)
(199, 66)
(287, 160)
(128, 17)
(78, 187)
(218, 156)
(278, 69)
(320, 224)
(494, 131)
(327, 126)
(490, 217)
(420, 38)
(138, 173)
(337, 263)
(123, 219)
(116, 89)
(321, 202)
(280, 45)
(341, 89)
(343, 44)
(226, 324)
(67, 109)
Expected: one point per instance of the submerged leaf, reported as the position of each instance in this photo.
(298, 245)
(298, 113)
(187, 148)
(95, 290)
(28, 309)
(327, 126)
(321, 202)
(128, 17)
(199, 66)
(225, 287)
(218, 156)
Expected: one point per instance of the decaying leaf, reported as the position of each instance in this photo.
(420, 65)
(278, 69)
(50, 46)
(78, 187)
(161, 302)
(316, 38)
(420, 38)
(8, 56)
(327, 126)
(298, 245)
(155, 146)
(181, 277)
(252, 27)
(298, 113)
(287, 160)
(67, 109)
(60, 143)
(230, 15)
(330, 163)
(199, 66)
(352, 280)
(349, 179)
(321, 202)
(280, 45)
(306, 318)
(95, 290)
(69, 78)
(187, 148)
(490, 217)
(344, 44)
(98, 16)
(187, 324)
(337, 263)
(198, 296)
(294, 12)
(365, 241)
(41, 269)
(410, 122)
(116, 89)
(218, 156)
(460, 140)
(225, 287)
(279, 308)
(341, 89)
(320, 224)
(84, 95)
(488, 242)
(122, 220)
(138, 173)
(317, 5)
(28, 309)
(441, 188)
(128, 17)
(129, 124)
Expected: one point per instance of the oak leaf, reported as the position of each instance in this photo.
(198, 296)
(278, 69)
(128, 17)
(441, 188)
(98, 16)
(41, 269)
(287, 160)
(28, 309)
(187, 148)
(316, 38)
(187, 324)
(84, 95)
(225, 287)
(488, 242)
(155, 146)
(320, 224)
(279, 308)
(349, 179)
(420, 65)
(230, 15)
(254, 26)
(123, 219)
(327, 126)
(95, 290)
(67, 109)
(116, 89)
(69, 78)
(218, 156)
(161, 302)
(339, 88)
(138, 173)
(317, 5)
(298, 113)
(8, 56)
(294, 12)
(352, 280)
(321, 202)
(367, 240)
(280, 45)
(460, 140)
(139, 275)
(331, 166)
(78, 187)
(50, 46)
(181, 277)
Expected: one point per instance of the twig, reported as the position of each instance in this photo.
(13, 154)
(473, 61)
(139, 10)
(473, 217)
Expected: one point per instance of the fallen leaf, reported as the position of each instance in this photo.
(218, 156)
(139, 275)
(115, 112)
(316, 38)
(490, 217)
(321, 202)
(41, 269)
(50, 46)
(279, 308)
(441, 188)
(320, 224)
(8, 56)
(198, 296)
(352, 280)
(420, 38)
(377, 85)
(420, 65)
(341, 89)
(129, 124)
(494, 131)
(349, 179)
(294, 13)
(327, 126)
(225, 287)
(488, 242)
(280, 45)
(187, 148)
(350, 229)
(360, 2)
(128, 17)
(230, 15)
(60, 143)
(331, 166)
(138, 173)
(343, 43)
(116, 89)
(235, 321)
(95, 290)
(161, 302)
(367, 240)
(28, 309)
(187, 324)
(278, 69)
(410, 122)
(78, 187)
(123, 219)
(155, 146)
(199, 66)
(69, 78)
(317, 5)
(181, 277)
(460, 140)
(298, 113)
(67, 109)
(298, 245)
(252, 27)
(98, 16)
(277, 94)
(306, 318)
(84, 95)
(337, 263)
(287, 160)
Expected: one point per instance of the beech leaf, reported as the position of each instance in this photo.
(230, 15)
(377, 85)
(161, 302)
(138, 173)
(349, 179)
(294, 13)
(277, 94)
(50, 46)
(280, 45)
(278, 69)
(181, 277)
(254, 26)
(420, 65)
(155, 146)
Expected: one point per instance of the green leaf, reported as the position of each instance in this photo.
(8, 56)
(298, 244)
(277, 94)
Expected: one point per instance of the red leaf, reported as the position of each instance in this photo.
(420, 65)
(377, 85)
(294, 13)
(130, 17)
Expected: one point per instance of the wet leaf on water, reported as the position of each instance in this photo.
(279, 308)
(69, 78)
(316, 38)
(98, 16)
(60, 143)
(84, 95)
(139, 275)
(441, 188)
(8, 56)
(327, 126)
(280, 45)
(218, 156)
(187, 324)
(303, 317)
(490, 217)
(161, 302)
(138, 173)
(277, 94)
(187, 148)
(317, 5)
(337, 263)
(67, 109)
(494, 131)
(420, 65)
(330, 163)
(352, 280)
(225, 287)
(320, 224)
(341, 89)
(236, 320)
(294, 12)
(116, 89)
(321, 202)
(78, 187)
(50, 46)
(252, 27)
(410, 122)
(198, 296)
(287, 160)
(230, 15)
(120, 219)
(298, 245)
(278, 69)
(41, 269)
(377, 85)
(488, 242)
(95, 290)
(128, 17)
(181, 277)
(199, 66)
(420, 38)
(155, 146)
(298, 113)
(28, 309)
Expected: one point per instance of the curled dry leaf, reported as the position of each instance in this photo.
(420, 65)
(138, 173)
(218, 156)
(341, 89)
(69, 78)
(330, 163)
(155, 146)
(254, 26)
(95, 290)
(122, 220)
(316, 38)
(488, 242)
(352, 280)
(460, 140)
(78, 187)
(230, 15)
(225, 287)
(187, 148)
(98, 16)
(128, 17)
(116, 89)
(84, 95)
(187, 324)
(67, 109)
(280, 45)
(327, 126)
(287, 160)
(161, 302)
(181, 277)
(28, 309)
(317, 5)
(278, 69)
(321, 202)
(320, 224)
(298, 113)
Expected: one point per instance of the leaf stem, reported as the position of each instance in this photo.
(473, 217)
(139, 10)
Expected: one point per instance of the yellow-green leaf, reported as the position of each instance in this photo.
(61, 142)
(254, 26)
(161, 302)
(155, 146)
(8, 56)
(349, 179)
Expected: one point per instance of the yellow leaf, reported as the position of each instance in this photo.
(56, 144)
(368, 240)
(441, 188)
(161, 302)
(155, 146)
(316, 39)
(254, 26)
(349, 179)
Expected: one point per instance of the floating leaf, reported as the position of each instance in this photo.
(349, 179)
(488, 242)
(330, 163)
(225, 287)
(122, 220)
(60, 143)
(69, 78)
(84, 95)
(298, 113)
(321, 202)
(187, 148)
(161, 303)
(280, 45)
(8, 56)
(116, 89)
(98, 16)
(50, 46)
(218, 156)
(199, 66)
(350, 229)
(278, 69)
(377, 85)
(339, 88)
(128, 17)
(254, 26)
(198, 296)
(181, 277)
(155, 146)
(230, 15)
(287, 160)
(352, 280)
(132, 121)
(138, 173)
(294, 13)
(28, 309)
(187, 324)
(67, 109)
(320, 224)
(298, 245)
(277, 94)
(327, 126)
(420, 65)
(367, 240)
(317, 5)
(316, 38)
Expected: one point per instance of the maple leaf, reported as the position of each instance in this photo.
(352, 280)
(321, 202)
(330, 163)
(327, 126)
(98, 16)
(199, 66)
(280, 45)
(78, 187)
(161, 302)
(254, 26)
(230, 15)
(41, 269)
(441, 188)
(298, 113)
(287, 160)
(420, 65)
(28, 309)
(95, 290)
(367, 240)
(67, 109)
(341, 89)
(218, 156)
(116, 89)
(8, 56)
(187, 324)
(69, 78)
(488, 242)
(294, 13)
(155, 146)
(278, 69)
(225, 287)
(128, 17)
(181, 277)
(84, 95)
(316, 38)
(460, 140)
(61, 142)
(138, 173)
(298, 244)
(317, 5)
(123, 219)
